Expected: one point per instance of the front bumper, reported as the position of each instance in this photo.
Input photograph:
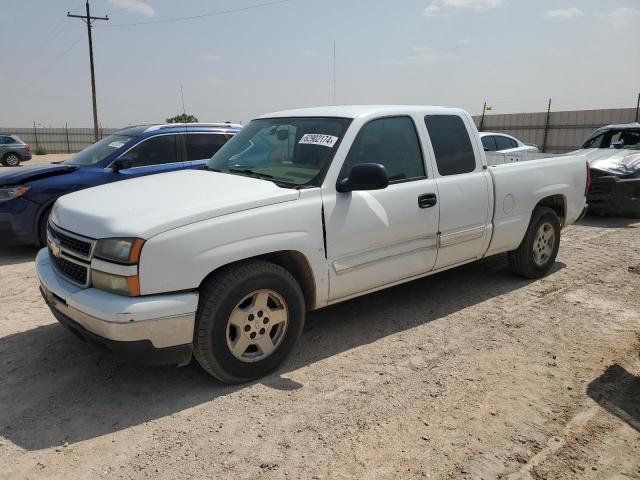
(154, 329)
(614, 195)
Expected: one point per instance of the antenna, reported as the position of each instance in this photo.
(334, 72)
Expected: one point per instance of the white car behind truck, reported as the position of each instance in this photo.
(300, 210)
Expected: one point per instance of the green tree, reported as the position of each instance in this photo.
(182, 118)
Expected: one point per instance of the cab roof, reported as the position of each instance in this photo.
(355, 111)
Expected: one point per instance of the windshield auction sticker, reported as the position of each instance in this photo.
(318, 139)
(116, 144)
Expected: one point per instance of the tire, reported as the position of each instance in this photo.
(42, 227)
(11, 160)
(231, 313)
(537, 253)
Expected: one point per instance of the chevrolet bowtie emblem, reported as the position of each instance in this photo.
(55, 247)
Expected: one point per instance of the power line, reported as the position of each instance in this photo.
(195, 17)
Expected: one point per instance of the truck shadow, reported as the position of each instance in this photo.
(618, 391)
(12, 255)
(54, 388)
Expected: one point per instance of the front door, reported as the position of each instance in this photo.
(378, 237)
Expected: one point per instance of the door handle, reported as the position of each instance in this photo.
(427, 200)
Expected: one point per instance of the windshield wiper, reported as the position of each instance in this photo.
(248, 171)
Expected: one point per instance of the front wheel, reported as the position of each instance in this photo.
(248, 320)
(12, 160)
(538, 250)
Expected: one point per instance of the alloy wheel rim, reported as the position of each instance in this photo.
(543, 244)
(12, 160)
(257, 326)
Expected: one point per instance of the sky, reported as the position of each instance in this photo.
(242, 58)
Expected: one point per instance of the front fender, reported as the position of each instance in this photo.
(181, 258)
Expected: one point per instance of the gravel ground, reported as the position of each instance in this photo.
(472, 373)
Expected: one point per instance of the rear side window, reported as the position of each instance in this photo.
(202, 146)
(451, 144)
(9, 139)
(154, 151)
(505, 143)
(489, 143)
(391, 142)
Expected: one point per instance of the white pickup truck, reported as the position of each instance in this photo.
(300, 210)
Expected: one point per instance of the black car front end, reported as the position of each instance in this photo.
(614, 194)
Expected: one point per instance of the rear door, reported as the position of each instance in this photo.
(379, 237)
(201, 146)
(464, 189)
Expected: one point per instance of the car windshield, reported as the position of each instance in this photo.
(293, 152)
(98, 151)
(628, 139)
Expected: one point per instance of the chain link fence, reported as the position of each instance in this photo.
(57, 140)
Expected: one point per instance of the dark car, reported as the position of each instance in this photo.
(613, 153)
(13, 150)
(27, 194)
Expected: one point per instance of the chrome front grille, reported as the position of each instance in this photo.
(70, 254)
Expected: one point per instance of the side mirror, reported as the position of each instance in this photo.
(365, 176)
(122, 163)
(617, 144)
(486, 149)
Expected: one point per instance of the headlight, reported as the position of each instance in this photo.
(120, 250)
(129, 286)
(12, 192)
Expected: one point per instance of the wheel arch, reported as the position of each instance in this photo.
(293, 261)
(557, 203)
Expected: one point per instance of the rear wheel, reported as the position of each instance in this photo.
(248, 320)
(537, 253)
(11, 160)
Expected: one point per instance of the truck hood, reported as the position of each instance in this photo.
(621, 163)
(24, 175)
(146, 206)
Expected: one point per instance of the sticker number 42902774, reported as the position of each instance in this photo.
(318, 139)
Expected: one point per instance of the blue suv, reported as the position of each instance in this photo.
(27, 194)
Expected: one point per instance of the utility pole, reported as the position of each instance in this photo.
(546, 128)
(484, 109)
(184, 112)
(637, 107)
(88, 19)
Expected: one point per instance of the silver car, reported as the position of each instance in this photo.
(13, 150)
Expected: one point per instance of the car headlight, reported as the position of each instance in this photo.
(10, 193)
(120, 250)
(118, 284)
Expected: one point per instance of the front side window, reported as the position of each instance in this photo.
(154, 151)
(391, 142)
(292, 151)
(98, 151)
(451, 144)
(489, 143)
(504, 143)
(202, 146)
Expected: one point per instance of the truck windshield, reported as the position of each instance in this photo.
(98, 151)
(291, 151)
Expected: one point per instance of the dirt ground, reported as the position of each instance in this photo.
(473, 373)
